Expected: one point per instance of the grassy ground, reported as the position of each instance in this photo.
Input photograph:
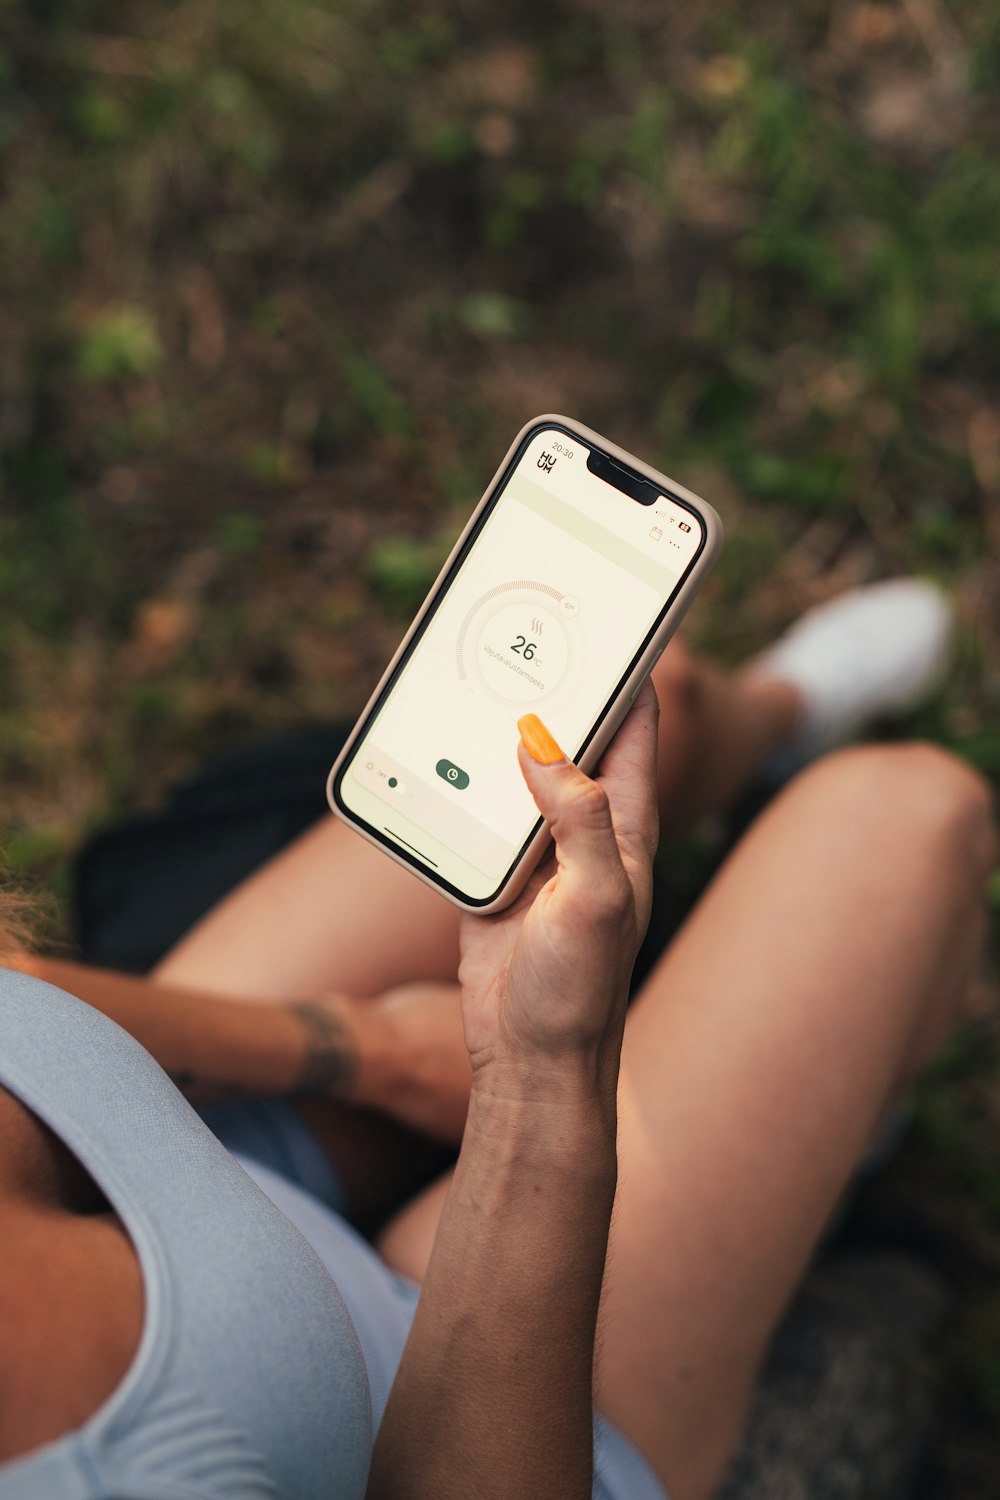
(281, 281)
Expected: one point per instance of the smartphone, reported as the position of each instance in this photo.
(573, 572)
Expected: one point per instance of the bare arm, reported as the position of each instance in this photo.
(216, 1048)
(494, 1396)
(400, 1052)
(494, 1393)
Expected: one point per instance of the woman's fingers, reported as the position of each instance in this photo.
(558, 960)
(577, 812)
(628, 774)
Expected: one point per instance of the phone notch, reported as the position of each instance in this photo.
(605, 467)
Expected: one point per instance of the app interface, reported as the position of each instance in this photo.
(551, 605)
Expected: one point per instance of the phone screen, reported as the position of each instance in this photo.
(545, 611)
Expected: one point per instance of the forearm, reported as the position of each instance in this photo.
(404, 1060)
(494, 1394)
(216, 1048)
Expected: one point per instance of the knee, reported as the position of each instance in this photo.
(919, 794)
(677, 678)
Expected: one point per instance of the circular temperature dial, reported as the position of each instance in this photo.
(517, 641)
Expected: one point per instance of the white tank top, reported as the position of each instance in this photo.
(249, 1380)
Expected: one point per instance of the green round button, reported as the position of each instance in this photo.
(452, 774)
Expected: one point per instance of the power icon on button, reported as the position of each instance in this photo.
(453, 774)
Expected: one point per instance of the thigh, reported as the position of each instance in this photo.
(408, 1239)
(823, 966)
(329, 913)
(821, 970)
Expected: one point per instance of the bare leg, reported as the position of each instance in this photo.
(328, 913)
(714, 732)
(822, 968)
(332, 913)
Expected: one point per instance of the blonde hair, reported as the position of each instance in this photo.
(22, 913)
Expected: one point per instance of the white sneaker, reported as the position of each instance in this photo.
(864, 655)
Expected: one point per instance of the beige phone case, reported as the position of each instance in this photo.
(617, 710)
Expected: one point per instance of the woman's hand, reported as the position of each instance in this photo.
(494, 1393)
(546, 981)
(399, 1052)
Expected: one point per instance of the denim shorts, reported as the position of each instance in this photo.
(382, 1304)
(272, 1132)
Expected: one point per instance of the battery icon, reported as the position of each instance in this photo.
(683, 525)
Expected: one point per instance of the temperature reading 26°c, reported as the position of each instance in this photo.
(522, 649)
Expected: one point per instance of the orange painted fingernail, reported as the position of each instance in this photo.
(537, 741)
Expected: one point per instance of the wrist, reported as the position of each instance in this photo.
(570, 1122)
(577, 1079)
(329, 1060)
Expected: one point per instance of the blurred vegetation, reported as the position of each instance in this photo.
(279, 283)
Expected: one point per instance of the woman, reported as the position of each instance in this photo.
(822, 969)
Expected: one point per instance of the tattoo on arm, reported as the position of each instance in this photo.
(330, 1063)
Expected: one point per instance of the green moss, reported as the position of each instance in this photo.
(401, 570)
(121, 344)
